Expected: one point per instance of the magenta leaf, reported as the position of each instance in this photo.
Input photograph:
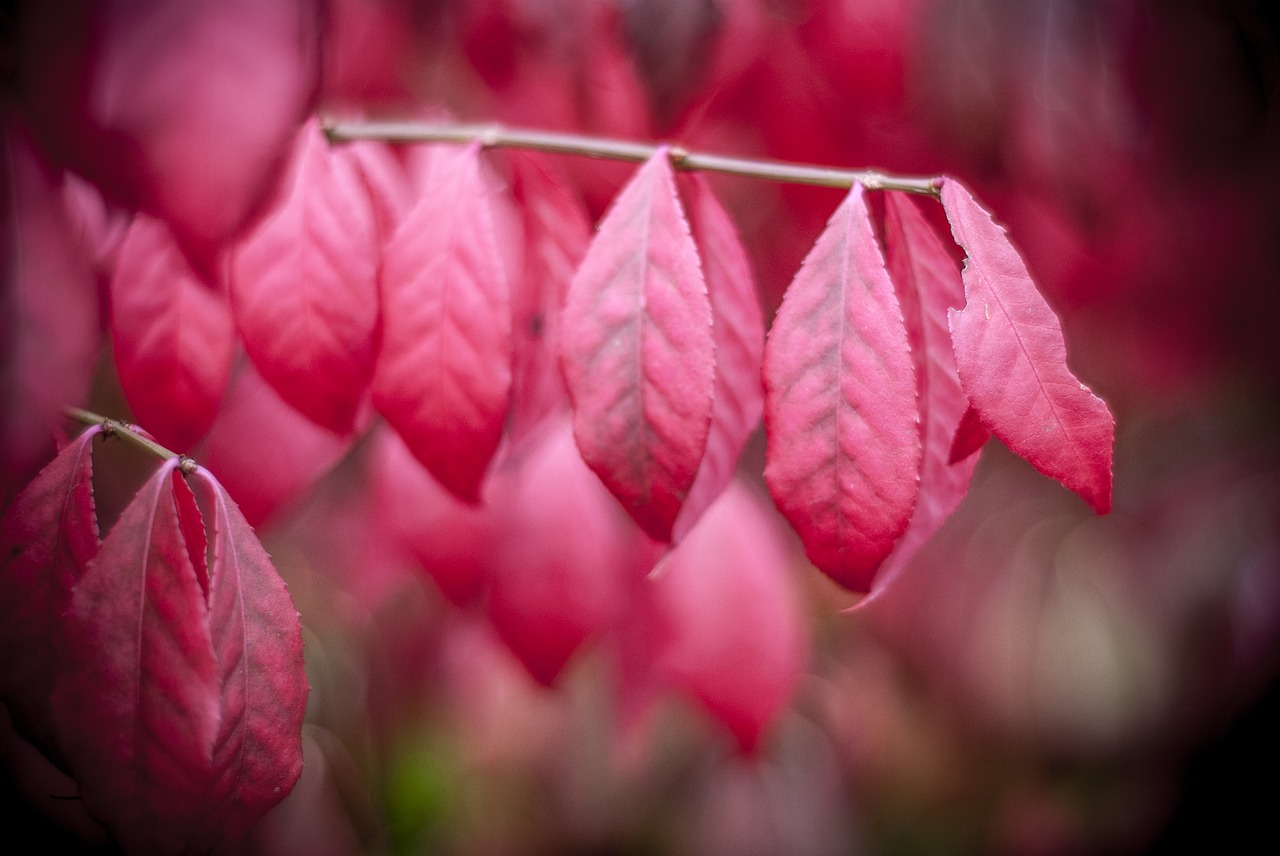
(841, 404)
(304, 286)
(1012, 360)
(257, 641)
(638, 351)
(927, 281)
(738, 328)
(970, 437)
(47, 538)
(136, 698)
(172, 334)
(443, 377)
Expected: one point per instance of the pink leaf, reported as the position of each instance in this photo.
(443, 378)
(638, 352)
(841, 410)
(257, 640)
(47, 538)
(173, 336)
(971, 435)
(739, 341)
(927, 281)
(136, 698)
(1013, 361)
(304, 286)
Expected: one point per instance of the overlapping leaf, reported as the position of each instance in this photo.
(443, 377)
(173, 336)
(304, 286)
(638, 352)
(1012, 360)
(841, 409)
(739, 348)
(47, 538)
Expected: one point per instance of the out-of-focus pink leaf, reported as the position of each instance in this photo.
(173, 336)
(136, 698)
(257, 641)
(452, 540)
(47, 538)
(443, 377)
(732, 633)
(557, 231)
(288, 453)
(49, 310)
(181, 109)
(927, 281)
(841, 403)
(1013, 361)
(304, 286)
(638, 352)
(565, 559)
(387, 182)
(739, 338)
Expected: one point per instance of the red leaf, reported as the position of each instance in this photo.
(304, 286)
(288, 452)
(173, 336)
(739, 341)
(47, 538)
(181, 109)
(50, 332)
(557, 231)
(971, 435)
(728, 629)
(443, 378)
(841, 410)
(1013, 361)
(136, 698)
(638, 352)
(927, 281)
(257, 640)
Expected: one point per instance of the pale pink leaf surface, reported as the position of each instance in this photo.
(47, 538)
(841, 403)
(565, 558)
(50, 332)
(173, 336)
(451, 540)
(1012, 360)
(733, 634)
(181, 109)
(256, 636)
(136, 700)
(557, 230)
(638, 352)
(738, 328)
(304, 286)
(927, 281)
(443, 377)
(289, 453)
(387, 182)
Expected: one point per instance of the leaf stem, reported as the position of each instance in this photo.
(497, 136)
(131, 435)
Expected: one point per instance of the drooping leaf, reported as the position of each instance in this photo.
(173, 336)
(443, 377)
(304, 286)
(1012, 360)
(256, 635)
(738, 328)
(841, 403)
(557, 231)
(927, 281)
(183, 110)
(638, 352)
(47, 538)
(136, 698)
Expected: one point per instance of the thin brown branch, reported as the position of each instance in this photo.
(497, 136)
(129, 434)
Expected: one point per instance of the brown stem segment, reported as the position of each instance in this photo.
(497, 136)
(128, 433)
